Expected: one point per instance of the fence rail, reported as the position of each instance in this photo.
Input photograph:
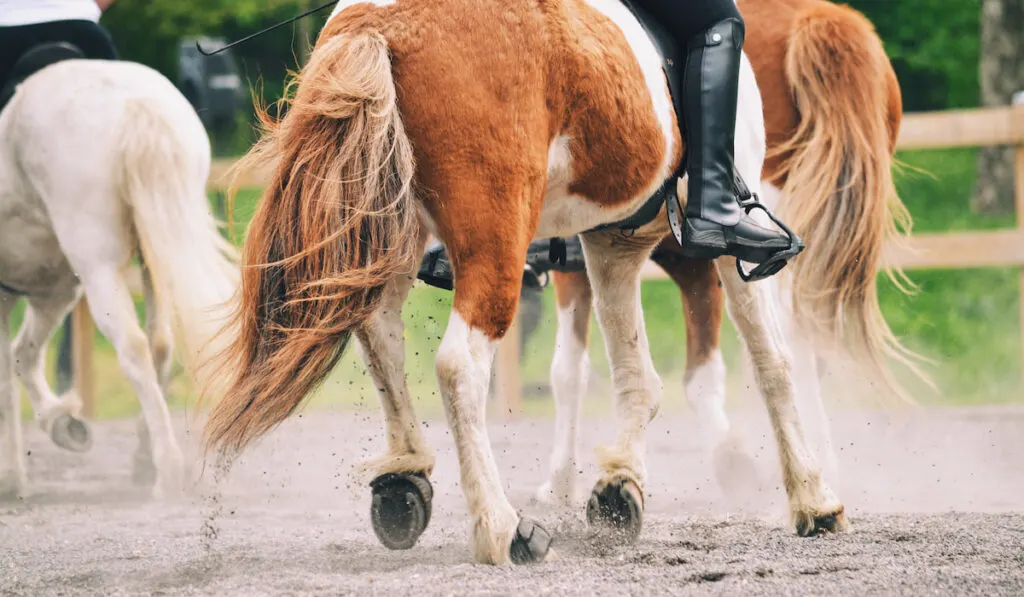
(953, 250)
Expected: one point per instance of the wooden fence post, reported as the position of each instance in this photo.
(1018, 186)
(65, 364)
(82, 337)
(1019, 201)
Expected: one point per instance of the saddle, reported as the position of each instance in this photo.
(35, 60)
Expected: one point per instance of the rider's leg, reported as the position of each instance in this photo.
(90, 37)
(710, 33)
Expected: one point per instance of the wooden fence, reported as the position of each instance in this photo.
(934, 130)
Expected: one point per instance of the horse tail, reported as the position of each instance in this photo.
(839, 187)
(164, 158)
(336, 222)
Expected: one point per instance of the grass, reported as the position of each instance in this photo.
(966, 321)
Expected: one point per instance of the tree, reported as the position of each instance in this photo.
(1001, 75)
(933, 46)
(149, 32)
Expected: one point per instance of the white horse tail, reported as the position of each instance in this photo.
(165, 162)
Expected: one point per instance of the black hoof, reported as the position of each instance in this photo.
(812, 525)
(401, 508)
(616, 507)
(71, 434)
(531, 543)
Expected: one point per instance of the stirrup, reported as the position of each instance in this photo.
(777, 261)
(435, 268)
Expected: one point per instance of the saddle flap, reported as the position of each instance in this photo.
(43, 55)
(35, 60)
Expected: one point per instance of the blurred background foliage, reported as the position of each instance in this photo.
(934, 44)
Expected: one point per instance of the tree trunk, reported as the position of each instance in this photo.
(1002, 74)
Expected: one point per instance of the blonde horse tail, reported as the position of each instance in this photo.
(336, 223)
(839, 189)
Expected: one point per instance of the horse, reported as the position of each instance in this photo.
(101, 162)
(485, 124)
(832, 114)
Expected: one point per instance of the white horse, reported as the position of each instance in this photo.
(99, 162)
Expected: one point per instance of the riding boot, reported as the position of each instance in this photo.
(715, 223)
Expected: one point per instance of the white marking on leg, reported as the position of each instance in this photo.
(464, 361)
(570, 370)
(705, 391)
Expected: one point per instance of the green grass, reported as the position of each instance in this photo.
(967, 321)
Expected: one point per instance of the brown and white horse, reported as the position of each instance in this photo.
(832, 113)
(488, 123)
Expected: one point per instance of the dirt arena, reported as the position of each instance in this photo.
(936, 500)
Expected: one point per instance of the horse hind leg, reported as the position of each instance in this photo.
(13, 474)
(161, 346)
(570, 368)
(705, 377)
(813, 506)
(402, 494)
(57, 416)
(114, 312)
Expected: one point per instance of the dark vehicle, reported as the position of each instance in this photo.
(212, 84)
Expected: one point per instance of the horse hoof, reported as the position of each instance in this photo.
(401, 508)
(617, 506)
(531, 543)
(71, 434)
(813, 524)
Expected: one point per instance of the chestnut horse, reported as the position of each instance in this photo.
(487, 123)
(832, 113)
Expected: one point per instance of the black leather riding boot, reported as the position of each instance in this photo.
(715, 223)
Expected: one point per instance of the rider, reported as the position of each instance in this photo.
(25, 24)
(711, 34)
